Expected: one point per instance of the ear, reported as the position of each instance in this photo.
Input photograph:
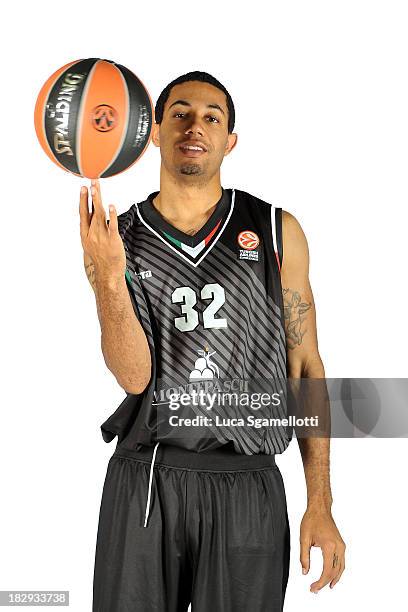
(231, 143)
(156, 134)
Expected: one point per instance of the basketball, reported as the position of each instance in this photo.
(93, 118)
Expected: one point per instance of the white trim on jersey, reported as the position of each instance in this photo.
(193, 263)
(273, 226)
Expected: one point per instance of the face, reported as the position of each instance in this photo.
(193, 136)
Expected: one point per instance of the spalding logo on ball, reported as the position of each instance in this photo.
(94, 118)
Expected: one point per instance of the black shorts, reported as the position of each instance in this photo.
(179, 527)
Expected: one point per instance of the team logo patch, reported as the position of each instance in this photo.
(248, 240)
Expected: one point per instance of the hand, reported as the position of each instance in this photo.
(100, 239)
(319, 529)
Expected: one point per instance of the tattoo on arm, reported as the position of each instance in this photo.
(294, 313)
(90, 272)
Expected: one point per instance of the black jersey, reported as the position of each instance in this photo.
(212, 310)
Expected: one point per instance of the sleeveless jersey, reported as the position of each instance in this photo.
(212, 309)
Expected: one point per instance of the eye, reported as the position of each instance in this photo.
(177, 114)
(215, 119)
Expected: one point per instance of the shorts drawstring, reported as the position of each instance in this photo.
(149, 492)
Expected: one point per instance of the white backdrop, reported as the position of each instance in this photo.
(321, 98)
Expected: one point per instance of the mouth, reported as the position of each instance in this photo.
(192, 149)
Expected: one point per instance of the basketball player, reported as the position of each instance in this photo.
(201, 283)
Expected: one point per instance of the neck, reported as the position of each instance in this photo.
(187, 205)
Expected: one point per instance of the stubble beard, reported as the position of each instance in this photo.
(191, 169)
(194, 173)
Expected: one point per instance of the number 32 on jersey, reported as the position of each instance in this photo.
(187, 298)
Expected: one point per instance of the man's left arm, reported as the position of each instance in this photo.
(303, 361)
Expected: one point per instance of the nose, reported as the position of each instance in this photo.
(195, 127)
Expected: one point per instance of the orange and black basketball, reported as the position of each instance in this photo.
(93, 118)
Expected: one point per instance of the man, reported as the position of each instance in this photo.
(200, 283)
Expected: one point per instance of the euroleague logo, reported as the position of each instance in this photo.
(248, 240)
(104, 118)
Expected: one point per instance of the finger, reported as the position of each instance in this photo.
(98, 211)
(84, 215)
(329, 572)
(96, 183)
(305, 555)
(97, 202)
(113, 219)
(337, 578)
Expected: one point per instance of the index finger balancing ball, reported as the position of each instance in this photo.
(93, 118)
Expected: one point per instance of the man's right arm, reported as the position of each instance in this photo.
(124, 344)
(123, 341)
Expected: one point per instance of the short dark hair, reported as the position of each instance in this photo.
(203, 77)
